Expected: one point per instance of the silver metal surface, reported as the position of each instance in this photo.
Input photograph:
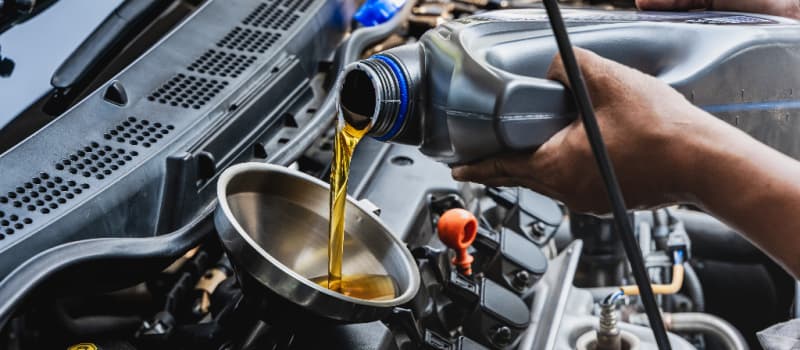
(588, 341)
(273, 222)
(708, 324)
(561, 313)
(550, 299)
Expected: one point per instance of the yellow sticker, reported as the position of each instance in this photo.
(83, 346)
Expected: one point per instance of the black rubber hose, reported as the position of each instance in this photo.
(712, 239)
(349, 52)
(89, 326)
(624, 227)
(694, 288)
(36, 270)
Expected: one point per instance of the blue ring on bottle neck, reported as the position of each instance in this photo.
(403, 87)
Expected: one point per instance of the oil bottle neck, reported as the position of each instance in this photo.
(374, 94)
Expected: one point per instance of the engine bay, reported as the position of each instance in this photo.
(108, 238)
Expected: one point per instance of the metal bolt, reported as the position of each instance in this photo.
(501, 336)
(521, 279)
(539, 228)
(608, 335)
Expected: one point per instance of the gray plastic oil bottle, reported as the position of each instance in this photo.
(475, 87)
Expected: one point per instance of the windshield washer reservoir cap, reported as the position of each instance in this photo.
(375, 12)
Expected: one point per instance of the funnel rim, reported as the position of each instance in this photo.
(235, 170)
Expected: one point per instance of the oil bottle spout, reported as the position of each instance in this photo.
(379, 93)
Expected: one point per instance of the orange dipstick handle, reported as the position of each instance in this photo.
(457, 230)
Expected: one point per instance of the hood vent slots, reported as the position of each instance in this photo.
(12, 223)
(95, 160)
(277, 15)
(263, 15)
(300, 5)
(138, 132)
(46, 192)
(248, 40)
(187, 91)
(222, 64)
(43, 194)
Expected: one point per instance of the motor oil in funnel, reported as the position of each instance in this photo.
(476, 86)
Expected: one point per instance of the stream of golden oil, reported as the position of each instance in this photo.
(364, 286)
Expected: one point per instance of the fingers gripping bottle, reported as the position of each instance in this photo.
(476, 86)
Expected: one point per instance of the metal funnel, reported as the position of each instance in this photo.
(273, 222)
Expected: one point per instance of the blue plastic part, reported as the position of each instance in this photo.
(678, 256)
(374, 12)
(403, 85)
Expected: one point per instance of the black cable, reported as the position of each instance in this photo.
(95, 325)
(584, 103)
(694, 288)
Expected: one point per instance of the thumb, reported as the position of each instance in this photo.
(598, 73)
(588, 62)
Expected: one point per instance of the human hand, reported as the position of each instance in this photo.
(649, 129)
(785, 8)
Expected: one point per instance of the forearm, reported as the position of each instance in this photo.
(752, 188)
